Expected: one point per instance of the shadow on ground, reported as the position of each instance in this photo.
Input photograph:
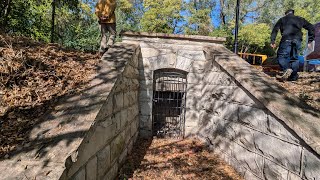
(174, 159)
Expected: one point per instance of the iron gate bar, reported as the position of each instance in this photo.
(169, 102)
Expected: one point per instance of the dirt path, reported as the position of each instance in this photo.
(175, 159)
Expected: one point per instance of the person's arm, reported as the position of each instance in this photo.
(275, 31)
(308, 26)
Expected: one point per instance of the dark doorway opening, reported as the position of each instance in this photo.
(169, 102)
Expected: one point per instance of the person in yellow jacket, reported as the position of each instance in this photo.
(105, 11)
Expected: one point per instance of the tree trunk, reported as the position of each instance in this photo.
(52, 20)
(5, 13)
(222, 14)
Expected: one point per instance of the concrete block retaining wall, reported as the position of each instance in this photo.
(115, 129)
(247, 133)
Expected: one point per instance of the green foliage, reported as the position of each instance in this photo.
(76, 25)
(161, 15)
(27, 18)
(252, 37)
(77, 30)
(128, 15)
(199, 21)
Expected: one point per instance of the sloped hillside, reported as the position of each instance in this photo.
(33, 76)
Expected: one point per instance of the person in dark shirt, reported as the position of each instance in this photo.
(290, 27)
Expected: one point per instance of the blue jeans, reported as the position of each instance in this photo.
(289, 51)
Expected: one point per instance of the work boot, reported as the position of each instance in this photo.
(295, 78)
(285, 75)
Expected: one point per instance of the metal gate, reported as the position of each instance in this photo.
(169, 102)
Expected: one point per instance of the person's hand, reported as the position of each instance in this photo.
(103, 18)
(273, 45)
(310, 46)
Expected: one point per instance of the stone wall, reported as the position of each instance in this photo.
(179, 52)
(255, 125)
(246, 132)
(115, 129)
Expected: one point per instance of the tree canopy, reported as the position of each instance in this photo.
(75, 25)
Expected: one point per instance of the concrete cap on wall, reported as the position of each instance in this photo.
(209, 39)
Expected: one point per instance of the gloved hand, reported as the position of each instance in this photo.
(103, 18)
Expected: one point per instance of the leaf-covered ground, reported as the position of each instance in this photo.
(307, 87)
(33, 76)
(175, 159)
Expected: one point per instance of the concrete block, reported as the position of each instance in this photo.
(194, 96)
(195, 78)
(123, 157)
(245, 137)
(80, 175)
(183, 63)
(223, 144)
(133, 85)
(283, 153)
(248, 159)
(292, 176)
(124, 118)
(116, 120)
(146, 95)
(152, 52)
(163, 61)
(192, 117)
(133, 112)
(133, 97)
(194, 55)
(130, 72)
(253, 117)
(134, 126)
(311, 166)
(146, 122)
(118, 102)
(145, 108)
(130, 146)
(90, 146)
(201, 66)
(278, 129)
(222, 109)
(105, 122)
(216, 68)
(228, 94)
(113, 172)
(91, 169)
(120, 85)
(127, 134)
(104, 161)
(250, 176)
(126, 99)
(106, 110)
(274, 171)
(218, 78)
(117, 146)
(146, 74)
(146, 85)
(190, 130)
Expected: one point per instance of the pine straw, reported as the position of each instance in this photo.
(32, 76)
(175, 159)
(307, 88)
